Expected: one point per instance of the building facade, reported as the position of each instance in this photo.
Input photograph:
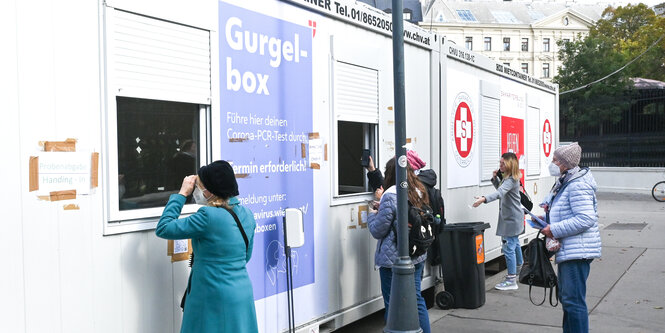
(521, 35)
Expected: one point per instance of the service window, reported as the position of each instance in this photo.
(158, 93)
(356, 114)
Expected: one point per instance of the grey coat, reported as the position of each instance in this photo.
(511, 215)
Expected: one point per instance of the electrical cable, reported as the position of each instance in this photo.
(616, 71)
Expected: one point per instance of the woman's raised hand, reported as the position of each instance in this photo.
(188, 185)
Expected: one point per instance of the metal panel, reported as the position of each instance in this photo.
(490, 129)
(356, 93)
(533, 131)
(156, 59)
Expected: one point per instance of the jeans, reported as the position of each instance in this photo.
(386, 275)
(513, 253)
(572, 294)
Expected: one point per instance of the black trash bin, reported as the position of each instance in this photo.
(462, 248)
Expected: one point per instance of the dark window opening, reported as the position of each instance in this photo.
(158, 145)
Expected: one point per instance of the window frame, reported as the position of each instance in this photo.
(546, 45)
(336, 198)
(506, 44)
(122, 221)
(525, 44)
(370, 141)
(546, 70)
(125, 221)
(468, 43)
(525, 65)
(487, 43)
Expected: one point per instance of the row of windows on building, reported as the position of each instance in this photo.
(525, 68)
(506, 44)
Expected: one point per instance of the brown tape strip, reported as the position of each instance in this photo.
(325, 152)
(71, 207)
(314, 135)
(361, 209)
(391, 122)
(351, 227)
(390, 108)
(169, 247)
(237, 139)
(67, 145)
(62, 195)
(303, 150)
(315, 166)
(34, 173)
(242, 175)
(408, 140)
(94, 172)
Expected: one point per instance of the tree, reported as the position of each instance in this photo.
(620, 36)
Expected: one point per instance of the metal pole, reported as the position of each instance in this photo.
(402, 309)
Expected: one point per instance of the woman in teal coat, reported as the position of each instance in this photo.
(220, 297)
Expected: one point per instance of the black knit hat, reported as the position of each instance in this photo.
(219, 179)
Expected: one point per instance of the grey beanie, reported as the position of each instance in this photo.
(569, 156)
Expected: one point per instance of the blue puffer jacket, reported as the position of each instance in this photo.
(381, 227)
(574, 219)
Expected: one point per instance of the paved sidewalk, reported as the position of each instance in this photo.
(625, 290)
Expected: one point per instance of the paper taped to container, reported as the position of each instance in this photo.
(179, 249)
(315, 153)
(362, 216)
(62, 171)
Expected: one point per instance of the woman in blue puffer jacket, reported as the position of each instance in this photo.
(383, 226)
(571, 209)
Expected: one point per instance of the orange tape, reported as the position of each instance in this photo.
(314, 135)
(325, 152)
(315, 166)
(67, 145)
(71, 207)
(303, 150)
(94, 173)
(34, 173)
(62, 195)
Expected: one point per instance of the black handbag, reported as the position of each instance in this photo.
(525, 200)
(537, 270)
(191, 258)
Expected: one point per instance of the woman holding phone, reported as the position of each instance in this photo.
(506, 180)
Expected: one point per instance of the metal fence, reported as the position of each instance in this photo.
(636, 139)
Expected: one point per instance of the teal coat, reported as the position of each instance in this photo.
(221, 298)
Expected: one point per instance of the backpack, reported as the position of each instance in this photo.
(537, 270)
(436, 201)
(421, 230)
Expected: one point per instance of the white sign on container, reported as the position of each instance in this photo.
(59, 171)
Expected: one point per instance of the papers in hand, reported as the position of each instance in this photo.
(535, 221)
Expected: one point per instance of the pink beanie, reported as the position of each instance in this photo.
(415, 163)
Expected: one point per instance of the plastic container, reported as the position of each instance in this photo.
(463, 261)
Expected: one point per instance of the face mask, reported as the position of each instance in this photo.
(554, 170)
(199, 198)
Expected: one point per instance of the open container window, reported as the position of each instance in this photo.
(352, 138)
(356, 112)
(157, 124)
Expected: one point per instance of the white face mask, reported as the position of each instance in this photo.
(199, 198)
(554, 170)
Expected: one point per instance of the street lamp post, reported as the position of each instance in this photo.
(402, 309)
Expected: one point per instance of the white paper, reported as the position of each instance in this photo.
(59, 171)
(315, 151)
(180, 246)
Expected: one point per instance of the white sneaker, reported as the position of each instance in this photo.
(507, 284)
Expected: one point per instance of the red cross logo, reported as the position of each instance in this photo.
(463, 129)
(547, 138)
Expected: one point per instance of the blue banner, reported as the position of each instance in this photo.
(266, 116)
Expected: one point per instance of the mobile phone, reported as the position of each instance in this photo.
(364, 159)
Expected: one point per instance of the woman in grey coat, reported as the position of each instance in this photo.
(511, 216)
